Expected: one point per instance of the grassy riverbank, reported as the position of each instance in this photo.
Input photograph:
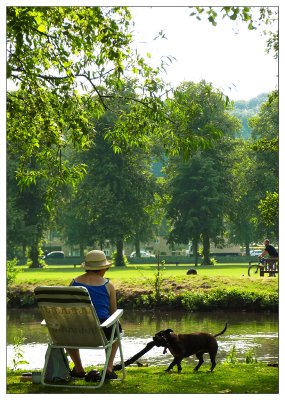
(239, 378)
(223, 286)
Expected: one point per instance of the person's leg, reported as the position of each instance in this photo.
(112, 356)
(110, 373)
(75, 356)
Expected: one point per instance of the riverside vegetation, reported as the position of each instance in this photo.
(219, 287)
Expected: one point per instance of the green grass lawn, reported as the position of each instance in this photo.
(142, 277)
(64, 274)
(226, 379)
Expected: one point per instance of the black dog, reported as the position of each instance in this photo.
(185, 345)
(191, 271)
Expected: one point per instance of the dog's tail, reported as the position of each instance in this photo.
(223, 331)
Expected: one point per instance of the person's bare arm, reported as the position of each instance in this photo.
(113, 300)
(263, 254)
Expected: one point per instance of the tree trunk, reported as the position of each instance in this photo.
(119, 261)
(195, 250)
(137, 247)
(206, 250)
(34, 255)
(247, 249)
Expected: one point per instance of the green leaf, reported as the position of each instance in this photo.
(42, 28)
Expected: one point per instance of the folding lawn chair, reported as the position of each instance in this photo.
(72, 322)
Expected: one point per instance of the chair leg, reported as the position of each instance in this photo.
(121, 353)
(47, 356)
(107, 357)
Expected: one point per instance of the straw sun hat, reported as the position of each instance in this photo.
(96, 260)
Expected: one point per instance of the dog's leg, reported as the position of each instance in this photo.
(201, 360)
(179, 368)
(213, 361)
(171, 365)
(176, 361)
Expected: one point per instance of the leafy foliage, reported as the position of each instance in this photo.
(18, 358)
(265, 135)
(246, 109)
(197, 186)
(79, 87)
(199, 114)
(12, 270)
(269, 208)
(60, 58)
(114, 200)
(232, 12)
(266, 17)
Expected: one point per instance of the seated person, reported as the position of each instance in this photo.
(103, 297)
(270, 252)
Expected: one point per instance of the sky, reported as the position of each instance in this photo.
(228, 55)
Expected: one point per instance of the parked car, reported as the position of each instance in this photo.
(54, 254)
(143, 254)
(255, 253)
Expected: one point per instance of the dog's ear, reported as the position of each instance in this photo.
(167, 331)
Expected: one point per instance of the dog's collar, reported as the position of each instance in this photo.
(170, 348)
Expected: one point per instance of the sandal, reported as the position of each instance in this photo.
(93, 376)
(111, 375)
(75, 374)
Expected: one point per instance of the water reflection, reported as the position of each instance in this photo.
(248, 332)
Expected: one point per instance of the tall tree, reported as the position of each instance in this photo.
(198, 186)
(113, 199)
(197, 203)
(241, 212)
(245, 109)
(60, 59)
(27, 217)
(253, 213)
(265, 137)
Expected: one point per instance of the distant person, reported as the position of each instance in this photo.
(103, 297)
(269, 250)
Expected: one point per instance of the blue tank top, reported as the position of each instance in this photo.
(99, 297)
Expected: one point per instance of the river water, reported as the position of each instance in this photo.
(250, 333)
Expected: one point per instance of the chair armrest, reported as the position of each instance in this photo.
(112, 319)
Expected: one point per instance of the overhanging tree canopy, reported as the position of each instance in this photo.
(61, 58)
(55, 54)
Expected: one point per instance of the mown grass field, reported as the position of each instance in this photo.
(142, 277)
(135, 272)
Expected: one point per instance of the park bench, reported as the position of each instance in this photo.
(176, 263)
(270, 267)
(167, 263)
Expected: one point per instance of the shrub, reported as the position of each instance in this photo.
(20, 297)
(119, 261)
(194, 301)
(12, 270)
(232, 356)
(250, 357)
